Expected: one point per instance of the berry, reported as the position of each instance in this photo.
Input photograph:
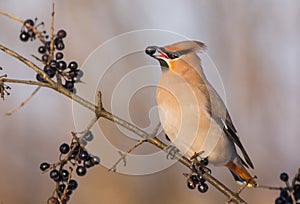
(61, 33)
(62, 187)
(44, 166)
(57, 41)
(31, 34)
(50, 72)
(69, 192)
(54, 174)
(284, 177)
(95, 160)
(202, 180)
(73, 65)
(24, 36)
(81, 170)
(69, 85)
(39, 78)
(64, 174)
(284, 194)
(62, 65)
(190, 183)
(75, 75)
(42, 49)
(59, 55)
(45, 58)
(75, 152)
(279, 201)
(29, 21)
(202, 188)
(64, 148)
(88, 163)
(83, 155)
(72, 184)
(53, 200)
(194, 178)
(53, 64)
(204, 162)
(60, 45)
(47, 45)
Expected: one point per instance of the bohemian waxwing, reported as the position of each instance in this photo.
(191, 112)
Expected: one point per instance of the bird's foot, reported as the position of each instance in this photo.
(172, 151)
(199, 163)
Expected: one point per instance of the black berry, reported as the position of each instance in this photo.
(29, 21)
(83, 155)
(204, 162)
(31, 34)
(60, 45)
(190, 183)
(42, 49)
(61, 33)
(73, 65)
(50, 72)
(284, 177)
(62, 65)
(88, 163)
(73, 184)
(45, 58)
(44, 166)
(39, 78)
(95, 160)
(69, 85)
(53, 64)
(81, 170)
(202, 188)
(24, 36)
(62, 187)
(64, 148)
(194, 178)
(64, 174)
(54, 174)
(47, 45)
(59, 55)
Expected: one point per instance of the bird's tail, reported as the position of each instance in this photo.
(240, 174)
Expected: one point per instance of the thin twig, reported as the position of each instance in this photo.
(27, 82)
(24, 102)
(124, 155)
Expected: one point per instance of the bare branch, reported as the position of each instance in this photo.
(24, 102)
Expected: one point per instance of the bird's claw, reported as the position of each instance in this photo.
(172, 151)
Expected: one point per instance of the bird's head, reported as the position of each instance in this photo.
(178, 55)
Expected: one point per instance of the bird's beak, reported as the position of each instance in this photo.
(156, 52)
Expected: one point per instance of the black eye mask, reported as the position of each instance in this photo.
(174, 55)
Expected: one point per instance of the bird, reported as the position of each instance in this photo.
(192, 114)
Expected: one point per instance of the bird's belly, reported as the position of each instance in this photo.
(185, 120)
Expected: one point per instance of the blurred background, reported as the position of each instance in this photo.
(255, 46)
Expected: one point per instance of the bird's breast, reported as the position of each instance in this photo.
(182, 111)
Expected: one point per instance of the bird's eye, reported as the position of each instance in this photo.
(173, 55)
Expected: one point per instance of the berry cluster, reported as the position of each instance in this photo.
(52, 57)
(195, 179)
(291, 192)
(77, 157)
(3, 87)
(28, 30)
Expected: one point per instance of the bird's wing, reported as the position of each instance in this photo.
(219, 113)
